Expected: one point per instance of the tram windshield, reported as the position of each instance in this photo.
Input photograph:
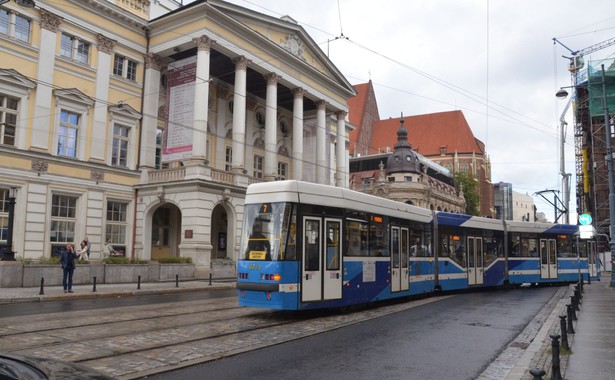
(269, 232)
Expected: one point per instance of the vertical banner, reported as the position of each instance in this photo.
(181, 78)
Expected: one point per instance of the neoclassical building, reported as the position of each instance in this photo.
(148, 131)
(406, 176)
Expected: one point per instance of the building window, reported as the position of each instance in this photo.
(119, 155)
(228, 158)
(8, 119)
(117, 226)
(282, 170)
(258, 166)
(63, 222)
(124, 67)
(67, 142)
(159, 146)
(14, 25)
(74, 48)
(4, 214)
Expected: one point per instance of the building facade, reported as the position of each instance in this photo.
(148, 132)
(444, 137)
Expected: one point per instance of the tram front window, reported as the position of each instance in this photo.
(267, 232)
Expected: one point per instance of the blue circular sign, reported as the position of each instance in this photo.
(585, 219)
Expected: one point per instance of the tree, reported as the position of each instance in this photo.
(470, 191)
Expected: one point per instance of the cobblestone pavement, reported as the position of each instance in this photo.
(138, 341)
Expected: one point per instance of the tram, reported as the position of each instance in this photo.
(309, 246)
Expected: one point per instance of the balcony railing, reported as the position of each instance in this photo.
(166, 175)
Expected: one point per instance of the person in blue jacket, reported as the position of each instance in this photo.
(68, 257)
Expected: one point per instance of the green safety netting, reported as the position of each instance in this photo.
(596, 92)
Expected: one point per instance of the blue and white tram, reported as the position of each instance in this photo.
(308, 246)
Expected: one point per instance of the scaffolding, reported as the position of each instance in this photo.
(590, 142)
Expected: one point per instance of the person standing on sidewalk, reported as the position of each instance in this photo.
(67, 260)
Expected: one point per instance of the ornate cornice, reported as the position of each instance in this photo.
(105, 44)
(203, 43)
(272, 79)
(153, 61)
(50, 21)
(241, 63)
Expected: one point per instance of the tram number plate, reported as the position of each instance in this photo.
(258, 255)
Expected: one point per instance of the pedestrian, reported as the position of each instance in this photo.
(83, 251)
(67, 260)
(108, 249)
(87, 245)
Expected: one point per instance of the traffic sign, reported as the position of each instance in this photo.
(585, 219)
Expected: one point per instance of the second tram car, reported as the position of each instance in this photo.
(308, 246)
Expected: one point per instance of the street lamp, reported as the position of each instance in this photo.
(8, 254)
(562, 94)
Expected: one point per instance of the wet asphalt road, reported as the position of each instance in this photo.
(454, 338)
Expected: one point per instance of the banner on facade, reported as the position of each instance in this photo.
(177, 139)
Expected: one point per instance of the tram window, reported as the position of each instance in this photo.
(333, 246)
(582, 248)
(493, 250)
(452, 246)
(565, 247)
(524, 245)
(263, 229)
(356, 238)
(312, 245)
(378, 240)
(288, 238)
(419, 246)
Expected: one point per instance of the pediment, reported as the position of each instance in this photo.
(74, 95)
(16, 79)
(125, 110)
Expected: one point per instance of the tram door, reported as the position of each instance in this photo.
(548, 259)
(399, 259)
(475, 260)
(321, 275)
(591, 263)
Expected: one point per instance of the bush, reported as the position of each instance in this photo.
(123, 260)
(175, 260)
(55, 260)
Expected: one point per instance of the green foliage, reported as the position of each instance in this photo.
(470, 192)
(224, 261)
(41, 261)
(123, 260)
(175, 260)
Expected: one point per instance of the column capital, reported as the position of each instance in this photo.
(241, 62)
(341, 114)
(153, 61)
(105, 44)
(298, 92)
(321, 104)
(272, 79)
(50, 21)
(203, 43)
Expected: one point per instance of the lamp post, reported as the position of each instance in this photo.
(609, 162)
(562, 168)
(8, 254)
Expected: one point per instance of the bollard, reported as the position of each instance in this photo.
(569, 311)
(562, 327)
(177, 281)
(94, 285)
(580, 291)
(555, 370)
(537, 373)
(581, 282)
(138, 282)
(573, 302)
(42, 292)
(577, 294)
(210, 279)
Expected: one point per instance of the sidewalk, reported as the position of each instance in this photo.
(11, 295)
(593, 344)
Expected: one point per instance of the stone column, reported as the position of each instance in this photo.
(103, 75)
(297, 165)
(321, 142)
(201, 98)
(239, 115)
(50, 24)
(149, 124)
(340, 154)
(271, 113)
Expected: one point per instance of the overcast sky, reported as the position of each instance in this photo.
(494, 60)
